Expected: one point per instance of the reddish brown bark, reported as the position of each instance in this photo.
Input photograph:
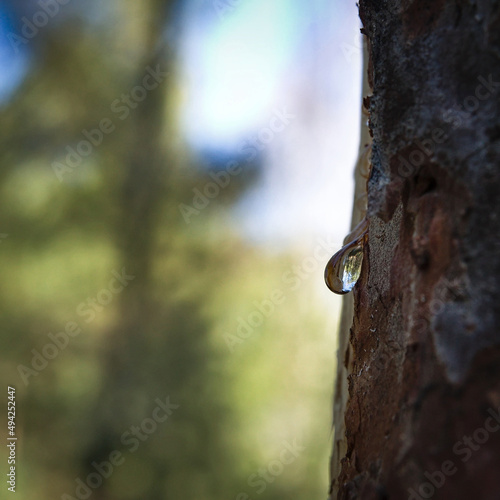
(422, 418)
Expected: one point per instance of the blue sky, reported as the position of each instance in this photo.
(241, 64)
(262, 55)
(13, 63)
(233, 62)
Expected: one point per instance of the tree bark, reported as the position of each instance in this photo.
(422, 364)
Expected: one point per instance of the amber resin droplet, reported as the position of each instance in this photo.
(343, 269)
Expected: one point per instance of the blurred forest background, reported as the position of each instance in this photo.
(226, 314)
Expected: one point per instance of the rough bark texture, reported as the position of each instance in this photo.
(344, 347)
(423, 364)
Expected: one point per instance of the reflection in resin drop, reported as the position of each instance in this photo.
(344, 268)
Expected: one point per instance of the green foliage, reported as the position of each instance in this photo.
(162, 334)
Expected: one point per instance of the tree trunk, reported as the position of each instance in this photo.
(422, 360)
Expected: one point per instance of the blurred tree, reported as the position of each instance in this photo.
(73, 217)
(126, 188)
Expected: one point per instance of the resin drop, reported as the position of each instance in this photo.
(343, 269)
